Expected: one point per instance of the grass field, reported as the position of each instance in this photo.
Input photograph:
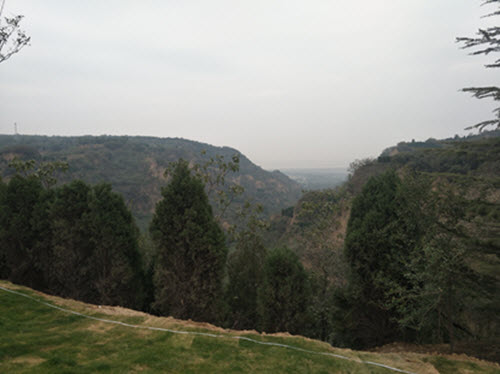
(37, 338)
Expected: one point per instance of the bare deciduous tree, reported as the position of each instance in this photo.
(12, 38)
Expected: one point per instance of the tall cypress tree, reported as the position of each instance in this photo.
(69, 273)
(115, 261)
(382, 232)
(17, 237)
(191, 251)
(4, 269)
(284, 295)
(245, 268)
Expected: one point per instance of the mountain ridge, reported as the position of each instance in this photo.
(135, 165)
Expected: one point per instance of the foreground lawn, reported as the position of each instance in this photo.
(35, 338)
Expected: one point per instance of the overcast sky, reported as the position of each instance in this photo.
(309, 83)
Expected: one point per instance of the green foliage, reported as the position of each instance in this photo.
(383, 230)
(4, 269)
(245, 268)
(191, 252)
(17, 237)
(414, 246)
(44, 171)
(93, 246)
(284, 296)
(135, 167)
(445, 290)
(70, 244)
(481, 157)
(75, 241)
(115, 261)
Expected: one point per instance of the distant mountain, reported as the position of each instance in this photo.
(135, 166)
(317, 178)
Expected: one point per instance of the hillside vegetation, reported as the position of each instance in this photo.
(39, 338)
(407, 250)
(423, 245)
(135, 167)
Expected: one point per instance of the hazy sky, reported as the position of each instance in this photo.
(310, 83)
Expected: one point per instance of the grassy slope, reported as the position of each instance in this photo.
(40, 339)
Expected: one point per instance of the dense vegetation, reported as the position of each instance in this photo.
(80, 241)
(191, 250)
(408, 247)
(76, 241)
(406, 250)
(135, 167)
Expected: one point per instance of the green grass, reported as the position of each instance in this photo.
(35, 338)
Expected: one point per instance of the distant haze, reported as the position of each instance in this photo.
(291, 84)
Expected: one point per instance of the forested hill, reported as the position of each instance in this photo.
(135, 166)
(412, 237)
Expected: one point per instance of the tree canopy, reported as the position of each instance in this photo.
(191, 250)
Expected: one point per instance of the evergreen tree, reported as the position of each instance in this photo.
(487, 42)
(443, 286)
(94, 253)
(17, 237)
(4, 270)
(191, 251)
(284, 295)
(245, 274)
(382, 232)
(114, 238)
(70, 271)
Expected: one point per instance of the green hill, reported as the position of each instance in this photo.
(470, 168)
(46, 334)
(471, 164)
(135, 165)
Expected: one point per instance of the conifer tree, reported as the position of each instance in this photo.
(245, 269)
(4, 270)
(284, 295)
(17, 237)
(486, 42)
(191, 250)
(115, 260)
(381, 234)
(69, 272)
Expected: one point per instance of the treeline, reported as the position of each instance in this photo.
(80, 241)
(76, 241)
(416, 250)
(398, 254)
(419, 261)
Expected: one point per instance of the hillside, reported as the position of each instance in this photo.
(135, 165)
(316, 227)
(47, 334)
(473, 164)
